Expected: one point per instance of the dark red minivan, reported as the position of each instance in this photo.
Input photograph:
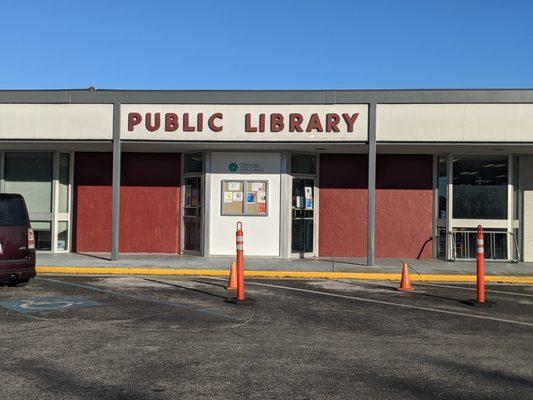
(17, 243)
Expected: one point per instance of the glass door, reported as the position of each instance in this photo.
(303, 215)
(192, 214)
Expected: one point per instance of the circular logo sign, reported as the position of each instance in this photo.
(233, 167)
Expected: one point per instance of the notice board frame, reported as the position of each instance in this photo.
(244, 183)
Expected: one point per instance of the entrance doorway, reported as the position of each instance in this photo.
(303, 217)
(303, 207)
(192, 214)
(193, 203)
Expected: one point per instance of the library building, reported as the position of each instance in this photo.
(365, 174)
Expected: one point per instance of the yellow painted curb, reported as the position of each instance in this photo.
(278, 274)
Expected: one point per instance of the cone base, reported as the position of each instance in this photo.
(405, 289)
(476, 303)
(234, 300)
(231, 288)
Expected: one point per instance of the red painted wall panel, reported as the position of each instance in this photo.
(92, 202)
(343, 205)
(149, 199)
(150, 193)
(404, 202)
(404, 206)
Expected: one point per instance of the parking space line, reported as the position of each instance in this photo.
(211, 311)
(474, 289)
(343, 296)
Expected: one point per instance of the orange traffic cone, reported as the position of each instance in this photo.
(232, 282)
(405, 285)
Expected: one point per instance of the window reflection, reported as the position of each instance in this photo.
(442, 182)
(480, 187)
(30, 174)
(193, 163)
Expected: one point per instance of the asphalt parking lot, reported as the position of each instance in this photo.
(167, 338)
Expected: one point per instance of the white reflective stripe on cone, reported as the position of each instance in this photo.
(480, 242)
(240, 247)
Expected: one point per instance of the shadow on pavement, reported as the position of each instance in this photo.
(414, 293)
(187, 288)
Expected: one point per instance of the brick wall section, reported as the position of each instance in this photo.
(150, 193)
(404, 203)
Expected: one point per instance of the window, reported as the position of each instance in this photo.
(304, 164)
(43, 179)
(64, 179)
(43, 235)
(30, 174)
(442, 185)
(481, 190)
(480, 187)
(192, 163)
(62, 235)
(12, 212)
(244, 198)
(516, 194)
(495, 243)
(441, 242)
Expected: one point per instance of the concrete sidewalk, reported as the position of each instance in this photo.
(100, 261)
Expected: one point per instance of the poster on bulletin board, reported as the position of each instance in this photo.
(228, 197)
(250, 197)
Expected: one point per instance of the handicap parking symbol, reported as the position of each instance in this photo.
(42, 304)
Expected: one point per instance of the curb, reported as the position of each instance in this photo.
(279, 274)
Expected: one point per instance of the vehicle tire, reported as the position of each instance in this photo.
(19, 283)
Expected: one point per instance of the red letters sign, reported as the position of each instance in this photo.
(271, 122)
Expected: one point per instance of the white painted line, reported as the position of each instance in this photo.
(474, 289)
(343, 296)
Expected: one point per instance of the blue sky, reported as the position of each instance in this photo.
(270, 44)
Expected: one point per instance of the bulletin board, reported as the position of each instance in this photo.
(232, 198)
(244, 198)
(256, 198)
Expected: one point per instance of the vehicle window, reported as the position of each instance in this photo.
(12, 212)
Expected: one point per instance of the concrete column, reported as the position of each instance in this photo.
(115, 213)
(371, 228)
(285, 207)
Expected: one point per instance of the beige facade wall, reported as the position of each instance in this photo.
(56, 121)
(455, 122)
(526, 183)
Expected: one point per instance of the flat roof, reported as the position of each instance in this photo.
(405, 96)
